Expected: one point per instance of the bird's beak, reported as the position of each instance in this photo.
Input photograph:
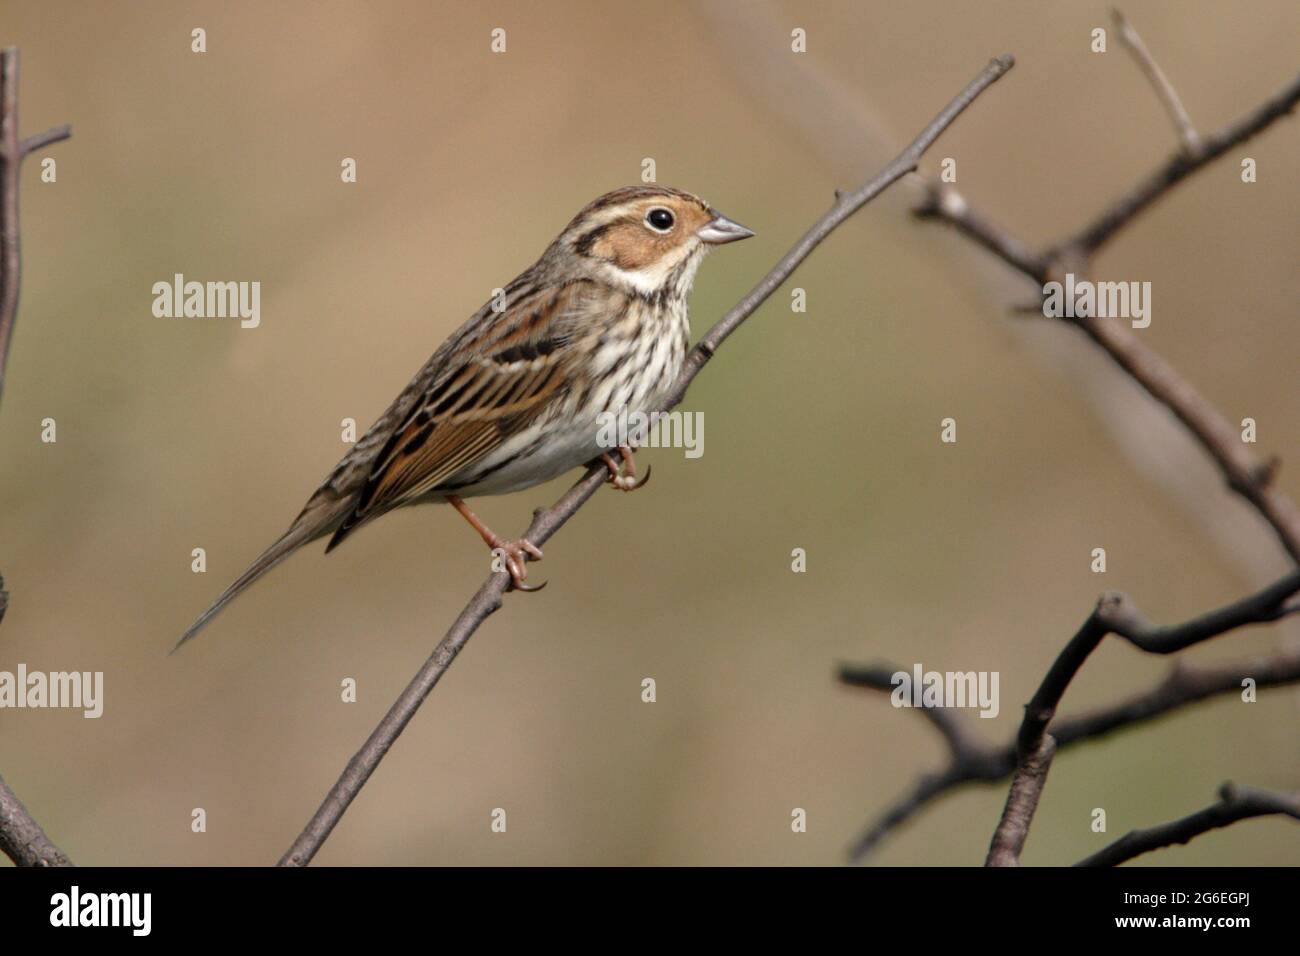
(721, 229)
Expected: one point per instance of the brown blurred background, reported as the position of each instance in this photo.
(821, 428)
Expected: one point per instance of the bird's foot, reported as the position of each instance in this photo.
(513, 557)
(623, 475)
(510, 557)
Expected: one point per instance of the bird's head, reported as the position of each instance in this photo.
(647, 239)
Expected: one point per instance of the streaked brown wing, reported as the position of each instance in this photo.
(488, 396)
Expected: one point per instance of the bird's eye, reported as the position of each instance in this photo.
(659, 219)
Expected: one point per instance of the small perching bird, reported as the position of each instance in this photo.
(518, 394)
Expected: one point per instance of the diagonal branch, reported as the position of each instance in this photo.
(1235, 803)
(21, 837)
(547, 522)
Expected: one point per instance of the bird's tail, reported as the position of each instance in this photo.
(321, 516)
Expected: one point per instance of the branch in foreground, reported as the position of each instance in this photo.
(21, 837)
(1235, 803)
(970, 761)
(547, 522)
(1244, 474)
(1022, 801)
(1115, 614)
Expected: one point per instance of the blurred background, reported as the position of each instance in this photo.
(821, 428)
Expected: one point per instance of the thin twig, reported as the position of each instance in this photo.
(1235, 803)
(1164, 89)
(55, 134)
(1178, 167)
(21, 838)
(12, 151)
(547, 522)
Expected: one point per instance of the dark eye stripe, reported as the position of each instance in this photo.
(589, 239)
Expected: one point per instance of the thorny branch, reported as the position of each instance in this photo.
(21, 838)
(547, 522)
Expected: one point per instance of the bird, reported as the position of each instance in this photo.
(597, 326)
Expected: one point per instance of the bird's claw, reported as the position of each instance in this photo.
(623, 476)
(514, 558)
(630, 482)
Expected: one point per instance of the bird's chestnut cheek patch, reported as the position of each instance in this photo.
(631, 247)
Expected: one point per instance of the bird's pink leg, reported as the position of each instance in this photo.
(514, 553)
(623, 477)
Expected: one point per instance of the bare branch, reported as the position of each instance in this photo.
(1174, 170)
(974, 762)
(846, 204)
(1184, 685)
(21, 837)
(10, 161)
(1022, 801)
(927, 788)
(1115, 614)
(547, 522)
(12, 151)
(887, 679)
(1235, 803)
(55, 134)
(1243, 473)
(945, 203)
(485, 602)
(1164, 89)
